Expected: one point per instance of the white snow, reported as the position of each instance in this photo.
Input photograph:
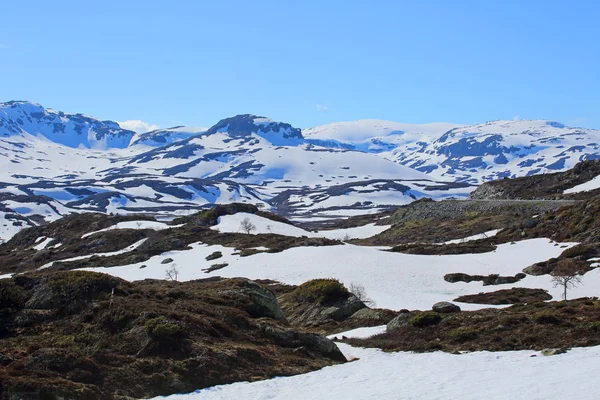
(42, 244)
(359, 232)
(157, 226)
(483, 235)
(392, 280)
(429, 376)
(232, 223)
(109, 254)
(360, 333)
(585, 187)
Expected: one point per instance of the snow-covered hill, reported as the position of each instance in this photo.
(78, 163)
(377, 136)
(161, 137)
(71, 130)
(240, 159)
(476, 153)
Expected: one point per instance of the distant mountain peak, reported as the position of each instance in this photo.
(72, 130)
(244, 125)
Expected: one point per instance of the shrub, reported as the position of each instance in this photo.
(322, 291)
(247, 226)
(11, 295)
(82, 283)
(593, 326)
(463, 334)
(360, 292)
(424, 319)
(546, 317)
(160, 328)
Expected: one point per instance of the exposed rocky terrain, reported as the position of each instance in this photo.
(84, 335)
(537, 325)
(545, 186)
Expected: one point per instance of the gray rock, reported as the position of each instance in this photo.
(43, 297)
(340, 312)
(264, 303)
(541, 268)
(383, 316)
(445, 307)
(553, 352)
(401, 320)
(290, 338)
(166, 261)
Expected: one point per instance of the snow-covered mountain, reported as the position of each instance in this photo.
(71, 130)
(376, 136)
(52, 163)
(245, 158)
(476, 153)
(161, 137)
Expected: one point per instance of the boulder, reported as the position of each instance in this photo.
(445, 307)
(343, 310)
(318, 343)
(379, 315)
(553, 352)
(166, 261)
(264, 303)
(401, 320)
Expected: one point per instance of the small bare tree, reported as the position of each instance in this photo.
(138, 224)
(172, 272)
(247, 226)
(566, 276)
(359, 291)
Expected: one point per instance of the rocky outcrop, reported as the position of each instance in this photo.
(492, 279)
(298, 340)
(444, 307)
(85, 335)
(402, 320)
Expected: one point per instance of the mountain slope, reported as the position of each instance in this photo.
(72, 130)
(240, 159)
(475, 154)
(501, 149)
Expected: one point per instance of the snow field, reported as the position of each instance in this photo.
(232, 223)
(585, 187)
(392, 280)
(518, 375)
(157, 226)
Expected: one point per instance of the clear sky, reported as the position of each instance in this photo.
(305, 62)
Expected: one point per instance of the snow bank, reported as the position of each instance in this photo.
(429, 376)
(585, 187)
(232, 223)
(392, 280)
(474, 237)
(109, 254)
(157, 226)
(359, 232)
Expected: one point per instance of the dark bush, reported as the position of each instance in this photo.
(11, 295)
(424, 319)
(162, 329)
(546, 317)
(463, 334)
(322, 290)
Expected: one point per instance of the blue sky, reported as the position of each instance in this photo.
(306, 62)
